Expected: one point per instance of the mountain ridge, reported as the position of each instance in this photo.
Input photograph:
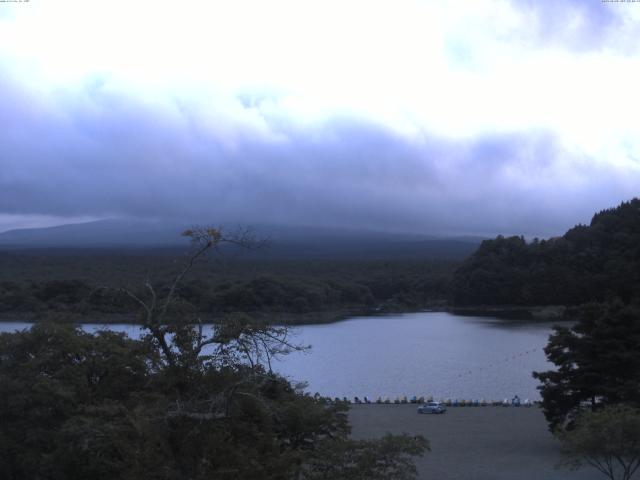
(284, 240)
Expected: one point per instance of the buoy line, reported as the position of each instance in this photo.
(505, 360)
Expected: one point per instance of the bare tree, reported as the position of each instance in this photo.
(236, 342)
(182, 341)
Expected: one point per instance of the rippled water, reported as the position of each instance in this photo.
(430, 353)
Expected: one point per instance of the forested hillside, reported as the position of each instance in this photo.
(299, 274)
(588, 263)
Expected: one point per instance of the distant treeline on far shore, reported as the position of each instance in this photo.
(79, 286)
(595, 262)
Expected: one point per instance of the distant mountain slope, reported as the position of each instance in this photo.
(587, 263)
(284, 241)
(101, 233)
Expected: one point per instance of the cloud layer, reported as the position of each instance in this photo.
(449, 139)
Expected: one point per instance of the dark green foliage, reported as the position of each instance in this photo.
(63, 291)
(389, 457)
(78, 406)
(65, 284)
(180, 403)
(608, 440)
(53, 375)
(588, 263)
(597, 360)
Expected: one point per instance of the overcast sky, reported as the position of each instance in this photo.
(456, 117)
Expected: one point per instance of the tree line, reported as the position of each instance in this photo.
(298, 290)
(589, 263)
(591, 399)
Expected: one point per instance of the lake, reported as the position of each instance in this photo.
(427, 353)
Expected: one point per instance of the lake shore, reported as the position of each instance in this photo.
(276, 318)
(514, 312)
(473, 443)
(507, 312)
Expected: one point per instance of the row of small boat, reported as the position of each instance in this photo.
(514, 402)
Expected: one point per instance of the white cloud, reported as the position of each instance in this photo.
(224, 75)
(462, 68)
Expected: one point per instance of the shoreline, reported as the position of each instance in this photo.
(542, 313)
(514, 312)
(280, 318)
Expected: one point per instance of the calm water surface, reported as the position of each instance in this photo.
(429, 353)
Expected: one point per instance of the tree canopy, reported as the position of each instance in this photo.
(608, 440)
(588, 263)
(181, 402)
(597, 360)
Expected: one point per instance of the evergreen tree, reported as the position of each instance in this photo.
(588, 263)
(597, 360)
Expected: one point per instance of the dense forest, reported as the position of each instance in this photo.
(72, 284)
(592, 262)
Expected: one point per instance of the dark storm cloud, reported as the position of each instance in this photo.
(99, 154)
